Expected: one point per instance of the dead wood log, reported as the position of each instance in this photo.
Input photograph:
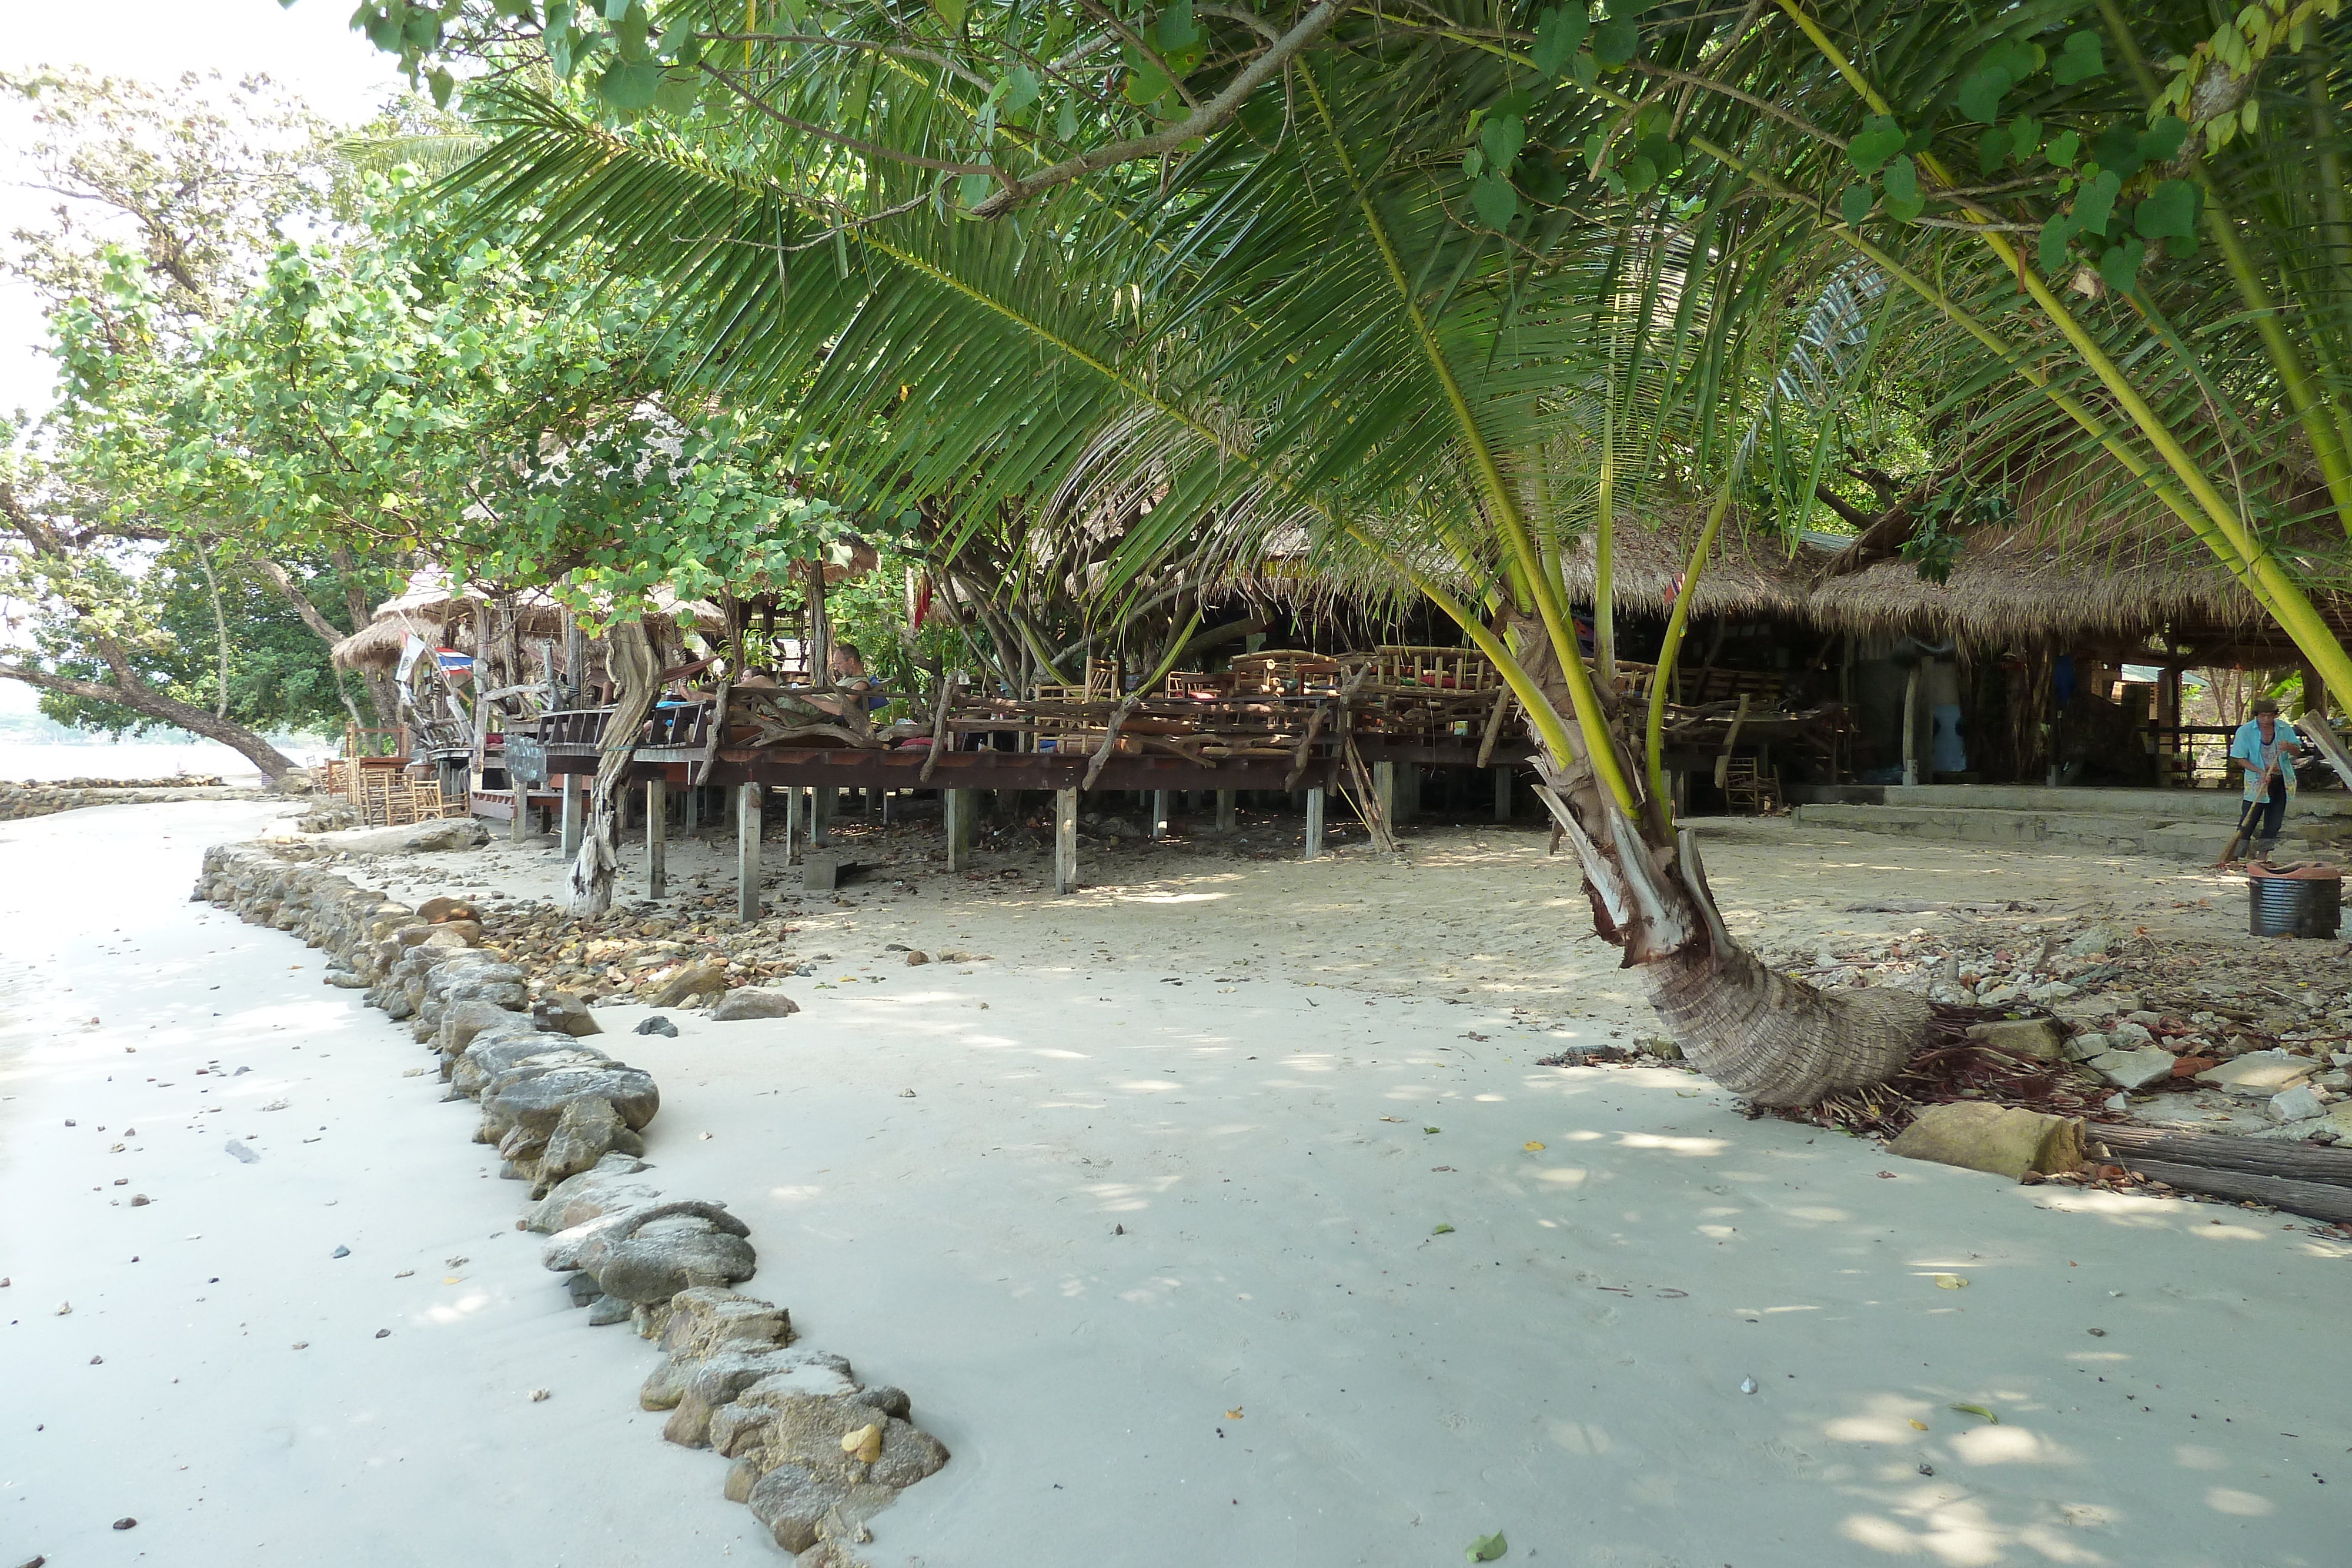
(2318, 1199)
(2219, 1151)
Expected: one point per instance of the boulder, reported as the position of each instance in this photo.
(703, 980)
(2134, 1069)
(566, 1013)
(2001, 1139)
(2085, 1047)
(664, 1258)
(2036, 1038)
(463, 1022)
(444, 907)
(586, 1132)
(753, 1002)
(2092, 943)
(502, 1059)
(792, 1501)
(576, 1200)
(538, 1101)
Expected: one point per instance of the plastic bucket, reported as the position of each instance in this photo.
(2294, 906)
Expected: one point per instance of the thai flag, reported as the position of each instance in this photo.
(455, 663)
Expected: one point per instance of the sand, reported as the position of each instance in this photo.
(1154, 1244)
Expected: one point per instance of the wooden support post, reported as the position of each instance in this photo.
(1315, 823)
(822, 801)
(520, 829)
(1910, 726)
(1228, 810)
(1384, 792)
(1065, 840)
(1502, 794)
(747, 852)
(571, 815)
(690, 812)
(957, 806)
(657, 837)
(1159, 814)
(792, 821)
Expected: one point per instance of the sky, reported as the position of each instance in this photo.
(308, 47)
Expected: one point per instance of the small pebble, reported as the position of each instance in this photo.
(65, 1309)
(341, 1252)
(98, 1360)
(126, 1522)
(537, 1395)
(1748, 1386)
(140, 1200)
(383, 1334)
(1927, 1470)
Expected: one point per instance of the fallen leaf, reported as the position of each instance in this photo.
(1443, 1230)
(865, 1445)
(1978, 1410)
(1486, 1548)
(1429, 1129)
(1393, 1118)
(1531, 1146)
(1235, 1413)
(1921, 1426)
(1950, 1282)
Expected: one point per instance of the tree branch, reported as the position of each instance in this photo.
(284, 582)
(1210, 116)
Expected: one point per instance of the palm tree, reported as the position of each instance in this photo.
(1439, 290)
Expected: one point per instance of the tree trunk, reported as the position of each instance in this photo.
(629, 657)
(144, 700)
(1764, 1036)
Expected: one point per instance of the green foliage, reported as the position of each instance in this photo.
(1940, 525)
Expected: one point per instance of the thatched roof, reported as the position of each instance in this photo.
(375, 646)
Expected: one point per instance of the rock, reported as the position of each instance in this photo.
(820, 872)
(753, 1002)
(585, 1132)
(581, 1289)
(657, 1024)
(345, 980)
(916, 958)
(658, 1262)
(497, 1061)
(464, 1020)
(792, 1501)
(434, 910)
(341, 1252)
(241, 1152)
(2132, 1069)
(705, 1319)
(706, 978)
(2260, 1073)
(608, 1310)
(537, 1102)
(2300, 1104)
(2125, 1035)
(562, 1012)
(1998, 996)
(2084, 1047)
(2036, 1038)
(2091, 944)
(444, 834)
(592, 1194)
(2003, 1140)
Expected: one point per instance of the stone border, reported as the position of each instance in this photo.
(35, 798)
(817, 1454)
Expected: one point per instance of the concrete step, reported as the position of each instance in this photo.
(2169, 805)
(2193, 835)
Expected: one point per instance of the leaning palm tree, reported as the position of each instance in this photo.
(1395, 279)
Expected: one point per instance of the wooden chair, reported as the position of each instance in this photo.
(1748, 789)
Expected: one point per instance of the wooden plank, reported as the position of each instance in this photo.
(2258, 1156)
(1314, 824)
(2320, 1201)
(1066, 840)
(957, 806)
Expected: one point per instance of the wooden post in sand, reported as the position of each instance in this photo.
(1065, 840)
(792, 822)
(1159, 814)
(822, 800)
(1228, 810)
(657, 837)
(747, 852)
(518, 828)
(571, 816)
(1502, 794)
(1384, 792)
(956, 807)
(1910, 726)
(1315, 824)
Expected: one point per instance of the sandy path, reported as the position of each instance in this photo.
(203, 1422)
(1564, 1365)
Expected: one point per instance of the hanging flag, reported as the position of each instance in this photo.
(453, 662)
(412, 648)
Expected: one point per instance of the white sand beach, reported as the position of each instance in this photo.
(1158, 1243)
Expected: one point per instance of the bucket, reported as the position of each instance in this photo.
(2294, 906)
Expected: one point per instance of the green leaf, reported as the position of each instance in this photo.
(1904, 201)
(1148, 84)
(617, 9)
(1065, 120)
(1486, 1548)
(1443, 1230)
(2064, 148)
(1993, 149)
(1583, 69)
(629, 83)
(972, 189)
(950, 12)
(629, 35)
(1638, 172)
(442, 84)
(2024, 137)
(1559, 32)
(2160, 142)
(1880, 139)
(2117, 148)
(678, 92)
(1502, 137)
(1017, 91)
(2055, 237)
(2120, 265)
(1616, 41)
(2080, 61)
(1474, 162)
(2097, 202)
(1497, 204)
(1176, 29)
(1855, 204)
(1661, 152)
(1981, 93)
(2169, 212)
